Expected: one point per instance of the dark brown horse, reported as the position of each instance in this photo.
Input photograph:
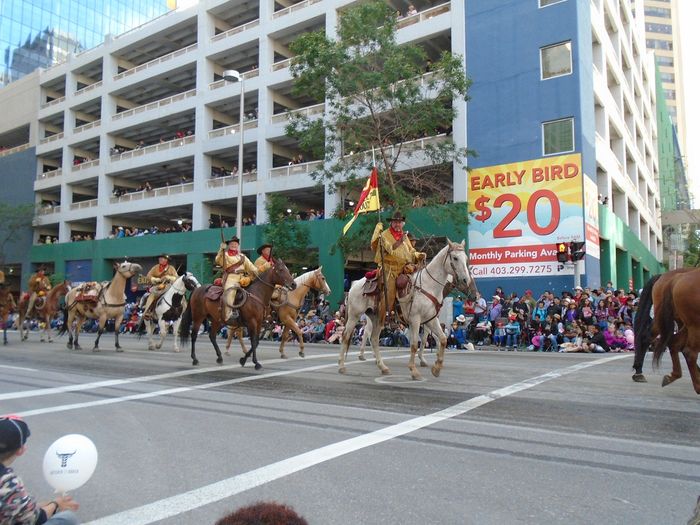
(7, 306)
(676, 323)
(252, 312)
(45, 313)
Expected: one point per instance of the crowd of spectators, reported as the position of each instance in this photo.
(118, 149)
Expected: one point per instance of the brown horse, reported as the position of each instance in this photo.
(109, 305)
(252, 312)
(45, 313)
(676, 323)
(288, 309)
(7, 306)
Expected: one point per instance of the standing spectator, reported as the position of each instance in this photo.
(411, 10)
(480, 306)
(457, 307)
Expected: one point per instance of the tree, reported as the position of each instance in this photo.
(14, 219)
(289, 235)
(378, 99)
(691, 257)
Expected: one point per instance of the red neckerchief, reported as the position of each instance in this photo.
(397, 234)
(232, 253)
(162, 267)
(268, 259)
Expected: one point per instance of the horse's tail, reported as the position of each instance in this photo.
(64, 325)
(664, 316)
(186, 324)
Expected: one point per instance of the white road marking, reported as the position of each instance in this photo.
(141, 379)
(19, 368)
(187, 501)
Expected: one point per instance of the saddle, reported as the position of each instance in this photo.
(403, 285)
(213, 291)
(88, 292)
(372, 283)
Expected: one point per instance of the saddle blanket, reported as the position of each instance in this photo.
(213, 292)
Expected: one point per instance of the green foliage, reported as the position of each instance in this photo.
(13, 219)
(289, 235)
(691, 257)
(378, 99)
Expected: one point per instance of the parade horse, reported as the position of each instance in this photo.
(288, 306)
(674, 298)
(256, 298)
(7, 306)
(420, 306)
(43, 313)
(169, 307)
(108, 304)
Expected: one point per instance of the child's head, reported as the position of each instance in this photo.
(14, 433)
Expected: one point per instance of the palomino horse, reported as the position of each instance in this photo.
(419, 307)
(45, 314)
(676, 323)
(109, 304)
(169, 307)
(7, 306)
(252, 312)
(288, 309)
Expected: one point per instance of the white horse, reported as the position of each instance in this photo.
(169, 307)
(419, 307)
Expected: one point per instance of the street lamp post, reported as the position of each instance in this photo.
(232, 75)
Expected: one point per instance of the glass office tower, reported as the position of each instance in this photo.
(42, 33)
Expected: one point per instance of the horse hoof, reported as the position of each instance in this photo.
(416, 376)
(242, 361)
(195, 362)
(95, 349)
(666, 381)
(77, 346)
(50, 340)
(176, 350)
(362, 358)
(119, 349)
(342, 370)
(639, 378)
(423, 364)
(436, 371)
(301, 354)
(258, 366)
(151, 347)
(69, 346)
(219, 360)
(158, 347)
(283, 356)
(386, 372)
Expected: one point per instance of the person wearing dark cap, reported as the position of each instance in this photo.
(39, 284)
(235, 265)
(160, 277)
(393, 251)
(264, 262)
(17, 506)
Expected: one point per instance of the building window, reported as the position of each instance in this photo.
(555, 60)
(558, 136)
(545, 3)
(667, 77)
(664, 61)
(659, 12)
(659, 28)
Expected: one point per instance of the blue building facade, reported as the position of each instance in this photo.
(40, 33)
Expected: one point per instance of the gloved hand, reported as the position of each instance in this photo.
(222, 246)
(379, 228)
(420, 256)
(156, 280)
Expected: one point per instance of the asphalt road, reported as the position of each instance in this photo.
(498, 438)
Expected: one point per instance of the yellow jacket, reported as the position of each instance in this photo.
(396, 253)
(236, 264)
(38, 283)
(262, 264)
(155, 275)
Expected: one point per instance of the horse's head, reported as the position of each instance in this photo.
(191, 282)
(127, 269)
(319, 282)
(457, 265)
(280, 274)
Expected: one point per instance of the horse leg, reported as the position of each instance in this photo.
(691, 359)
(229, 340)
(421, 349)
(239, 334)
(434, 327)
(162, 331)
(676, 372)
(76, 331)
(48, 329)
(295, 328)
(100, 330)
(193, 337)
(283, 339)
(117, 324)
(213, 331)
(363, 340)
(149, 333)
(176, 330)
(254, 349)
(374, 340)
(415, 375)
(345, 342)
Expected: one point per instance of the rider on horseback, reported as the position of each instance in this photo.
(39, 284)
(235, 265)
(264, 262)
(160, 277)
(393, 251)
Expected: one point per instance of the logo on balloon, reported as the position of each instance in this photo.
(64, 475)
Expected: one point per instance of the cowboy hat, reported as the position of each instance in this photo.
(164, 256)
(461, 319)
(262, 247)
(397, 216)
(234, 239)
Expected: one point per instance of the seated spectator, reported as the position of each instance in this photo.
(512, 332)
(482, 331)
(499, 334)
(411, 10)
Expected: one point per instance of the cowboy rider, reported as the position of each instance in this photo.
(398, 251)
(264, 262)
(6, 297)
(39, 284)
(160, 277)
(235, 265)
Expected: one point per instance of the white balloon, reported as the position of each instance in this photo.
(69, 462)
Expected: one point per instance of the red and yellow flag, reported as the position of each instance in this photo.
(369, 199)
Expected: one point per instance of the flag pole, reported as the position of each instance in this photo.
(381, 249)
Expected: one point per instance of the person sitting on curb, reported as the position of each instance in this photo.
(16, 505)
